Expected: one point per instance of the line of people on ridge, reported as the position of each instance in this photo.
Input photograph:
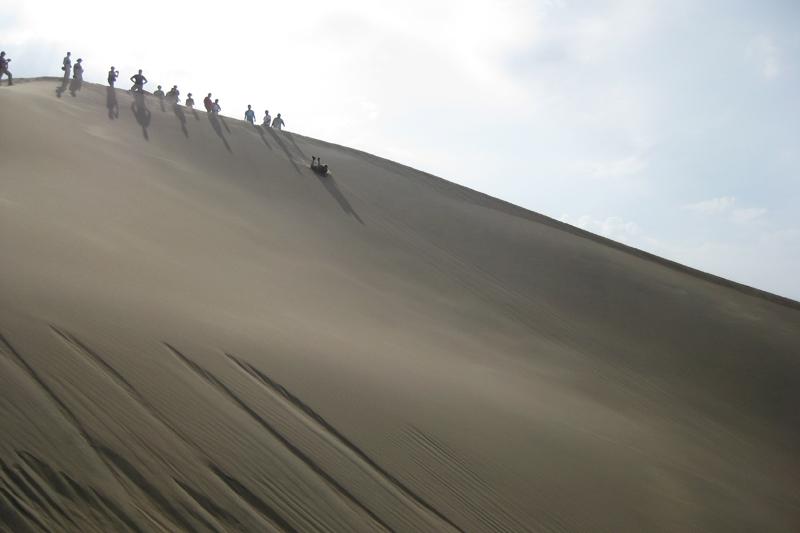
(171, 97)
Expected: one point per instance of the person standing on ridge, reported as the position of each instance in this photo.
(159, 93)
(77, 78)
(112, 76)
(189, 101)
(173, 95)
(4, 68)
(216, 108)
(278, 123)
(66, 65)
(250, 115)
(138, 82)
(77, 70)
(209, 105)
(267, 119)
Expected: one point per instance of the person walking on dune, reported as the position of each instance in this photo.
(112, 77)
(208, 103)
(66, 66)
(250, 115)
(267, 119)
(4, 61)
(278, 123)
(138, 82)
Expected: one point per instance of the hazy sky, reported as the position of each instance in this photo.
(673, 126)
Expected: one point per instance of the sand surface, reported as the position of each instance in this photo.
(197, 333)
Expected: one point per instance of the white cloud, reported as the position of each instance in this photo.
(727, 205)
(748, 214)
(765, 54)
(713, 206)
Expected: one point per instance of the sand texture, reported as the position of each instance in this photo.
(197, 333)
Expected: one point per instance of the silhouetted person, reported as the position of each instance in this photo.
(66, 66)
(112, 76)
(208, 103)
(77, 77)
(173, 96)
(278, 123)
(138, 82)
(250, 115)
(189, 101)
(4, 61)
(267, 119)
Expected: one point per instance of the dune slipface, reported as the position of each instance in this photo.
(198, 333)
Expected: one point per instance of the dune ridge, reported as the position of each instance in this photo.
(197, 333)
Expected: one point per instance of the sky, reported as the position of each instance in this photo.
(669, 125)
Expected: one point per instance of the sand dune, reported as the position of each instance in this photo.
(197, 333)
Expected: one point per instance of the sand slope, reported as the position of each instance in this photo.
(197, 333)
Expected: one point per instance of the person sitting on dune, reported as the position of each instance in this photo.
(278, 123)
(250, 115)
(4, 67)
(267, 119)
(209, 105)
(112, 76)
(138, 82)
(189, 101)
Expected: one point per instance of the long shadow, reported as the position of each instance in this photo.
(294, 143)
(285, 150)
(330, 186)
(111, 103)
(215, 123)
(224, 124)
(194, 113)
(161, 103)
(141, 113)
(75, 85)
(181, 118)
(62, 87)
(260, 131)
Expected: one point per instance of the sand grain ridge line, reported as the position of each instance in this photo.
(212, 380)
(304, 411)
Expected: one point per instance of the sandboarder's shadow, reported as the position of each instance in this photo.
(141, 113)
(111, 103)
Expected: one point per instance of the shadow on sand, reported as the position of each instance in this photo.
(330, 185)
(181, 118)
(141, 113)
(260, 130)
(111, 103)
(215, 121)
(75, 85)
(62, 87)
